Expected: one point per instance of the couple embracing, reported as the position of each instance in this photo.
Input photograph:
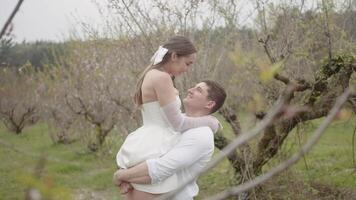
(171, 146)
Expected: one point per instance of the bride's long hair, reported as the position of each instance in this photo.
(181, 45)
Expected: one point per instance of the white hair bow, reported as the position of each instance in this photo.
(159, 54)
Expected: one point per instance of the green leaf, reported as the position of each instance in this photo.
(268, 73)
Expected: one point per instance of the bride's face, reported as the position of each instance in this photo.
(181, 64)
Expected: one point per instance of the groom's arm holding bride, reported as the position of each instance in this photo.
(195, 147)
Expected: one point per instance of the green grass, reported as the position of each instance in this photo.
(70, 166)
(71, 169)
(330, 161)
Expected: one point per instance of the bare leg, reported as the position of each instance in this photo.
(139, 195)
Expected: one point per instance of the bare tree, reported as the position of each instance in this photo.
(312, 98)
(89, 92)
(19, 97)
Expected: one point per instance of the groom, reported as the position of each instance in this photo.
(189, 155)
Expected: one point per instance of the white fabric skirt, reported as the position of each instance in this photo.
(148, 141)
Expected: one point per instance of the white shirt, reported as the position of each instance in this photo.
(186, 158)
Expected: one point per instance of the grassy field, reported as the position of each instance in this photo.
(327, 171)
(71, 172)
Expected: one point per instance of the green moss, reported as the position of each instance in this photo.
(334, 65)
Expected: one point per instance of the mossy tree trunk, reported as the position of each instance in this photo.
(330, 82)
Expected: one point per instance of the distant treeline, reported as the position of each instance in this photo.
(37, 53)
(40, 53)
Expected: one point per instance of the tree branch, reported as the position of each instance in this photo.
(327, 29)
(230, 116)
(300, 85)
(143, 32)
(267, 50)
(222, 142)
(11, 17)
(70, 105)
(281, 78)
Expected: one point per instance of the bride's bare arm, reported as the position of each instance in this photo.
(163, 86)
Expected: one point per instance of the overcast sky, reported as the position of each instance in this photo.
(47, 19)
(54, 19)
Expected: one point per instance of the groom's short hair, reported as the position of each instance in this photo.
(216, 93)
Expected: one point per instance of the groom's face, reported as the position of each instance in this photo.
(197, 98)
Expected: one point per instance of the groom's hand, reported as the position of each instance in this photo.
(125, 187)
(116, 178)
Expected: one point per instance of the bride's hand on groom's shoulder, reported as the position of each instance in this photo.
(214, 123)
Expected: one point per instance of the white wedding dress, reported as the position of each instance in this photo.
(152, 140)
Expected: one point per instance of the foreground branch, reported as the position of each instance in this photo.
(283, 166)
(3, 31)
